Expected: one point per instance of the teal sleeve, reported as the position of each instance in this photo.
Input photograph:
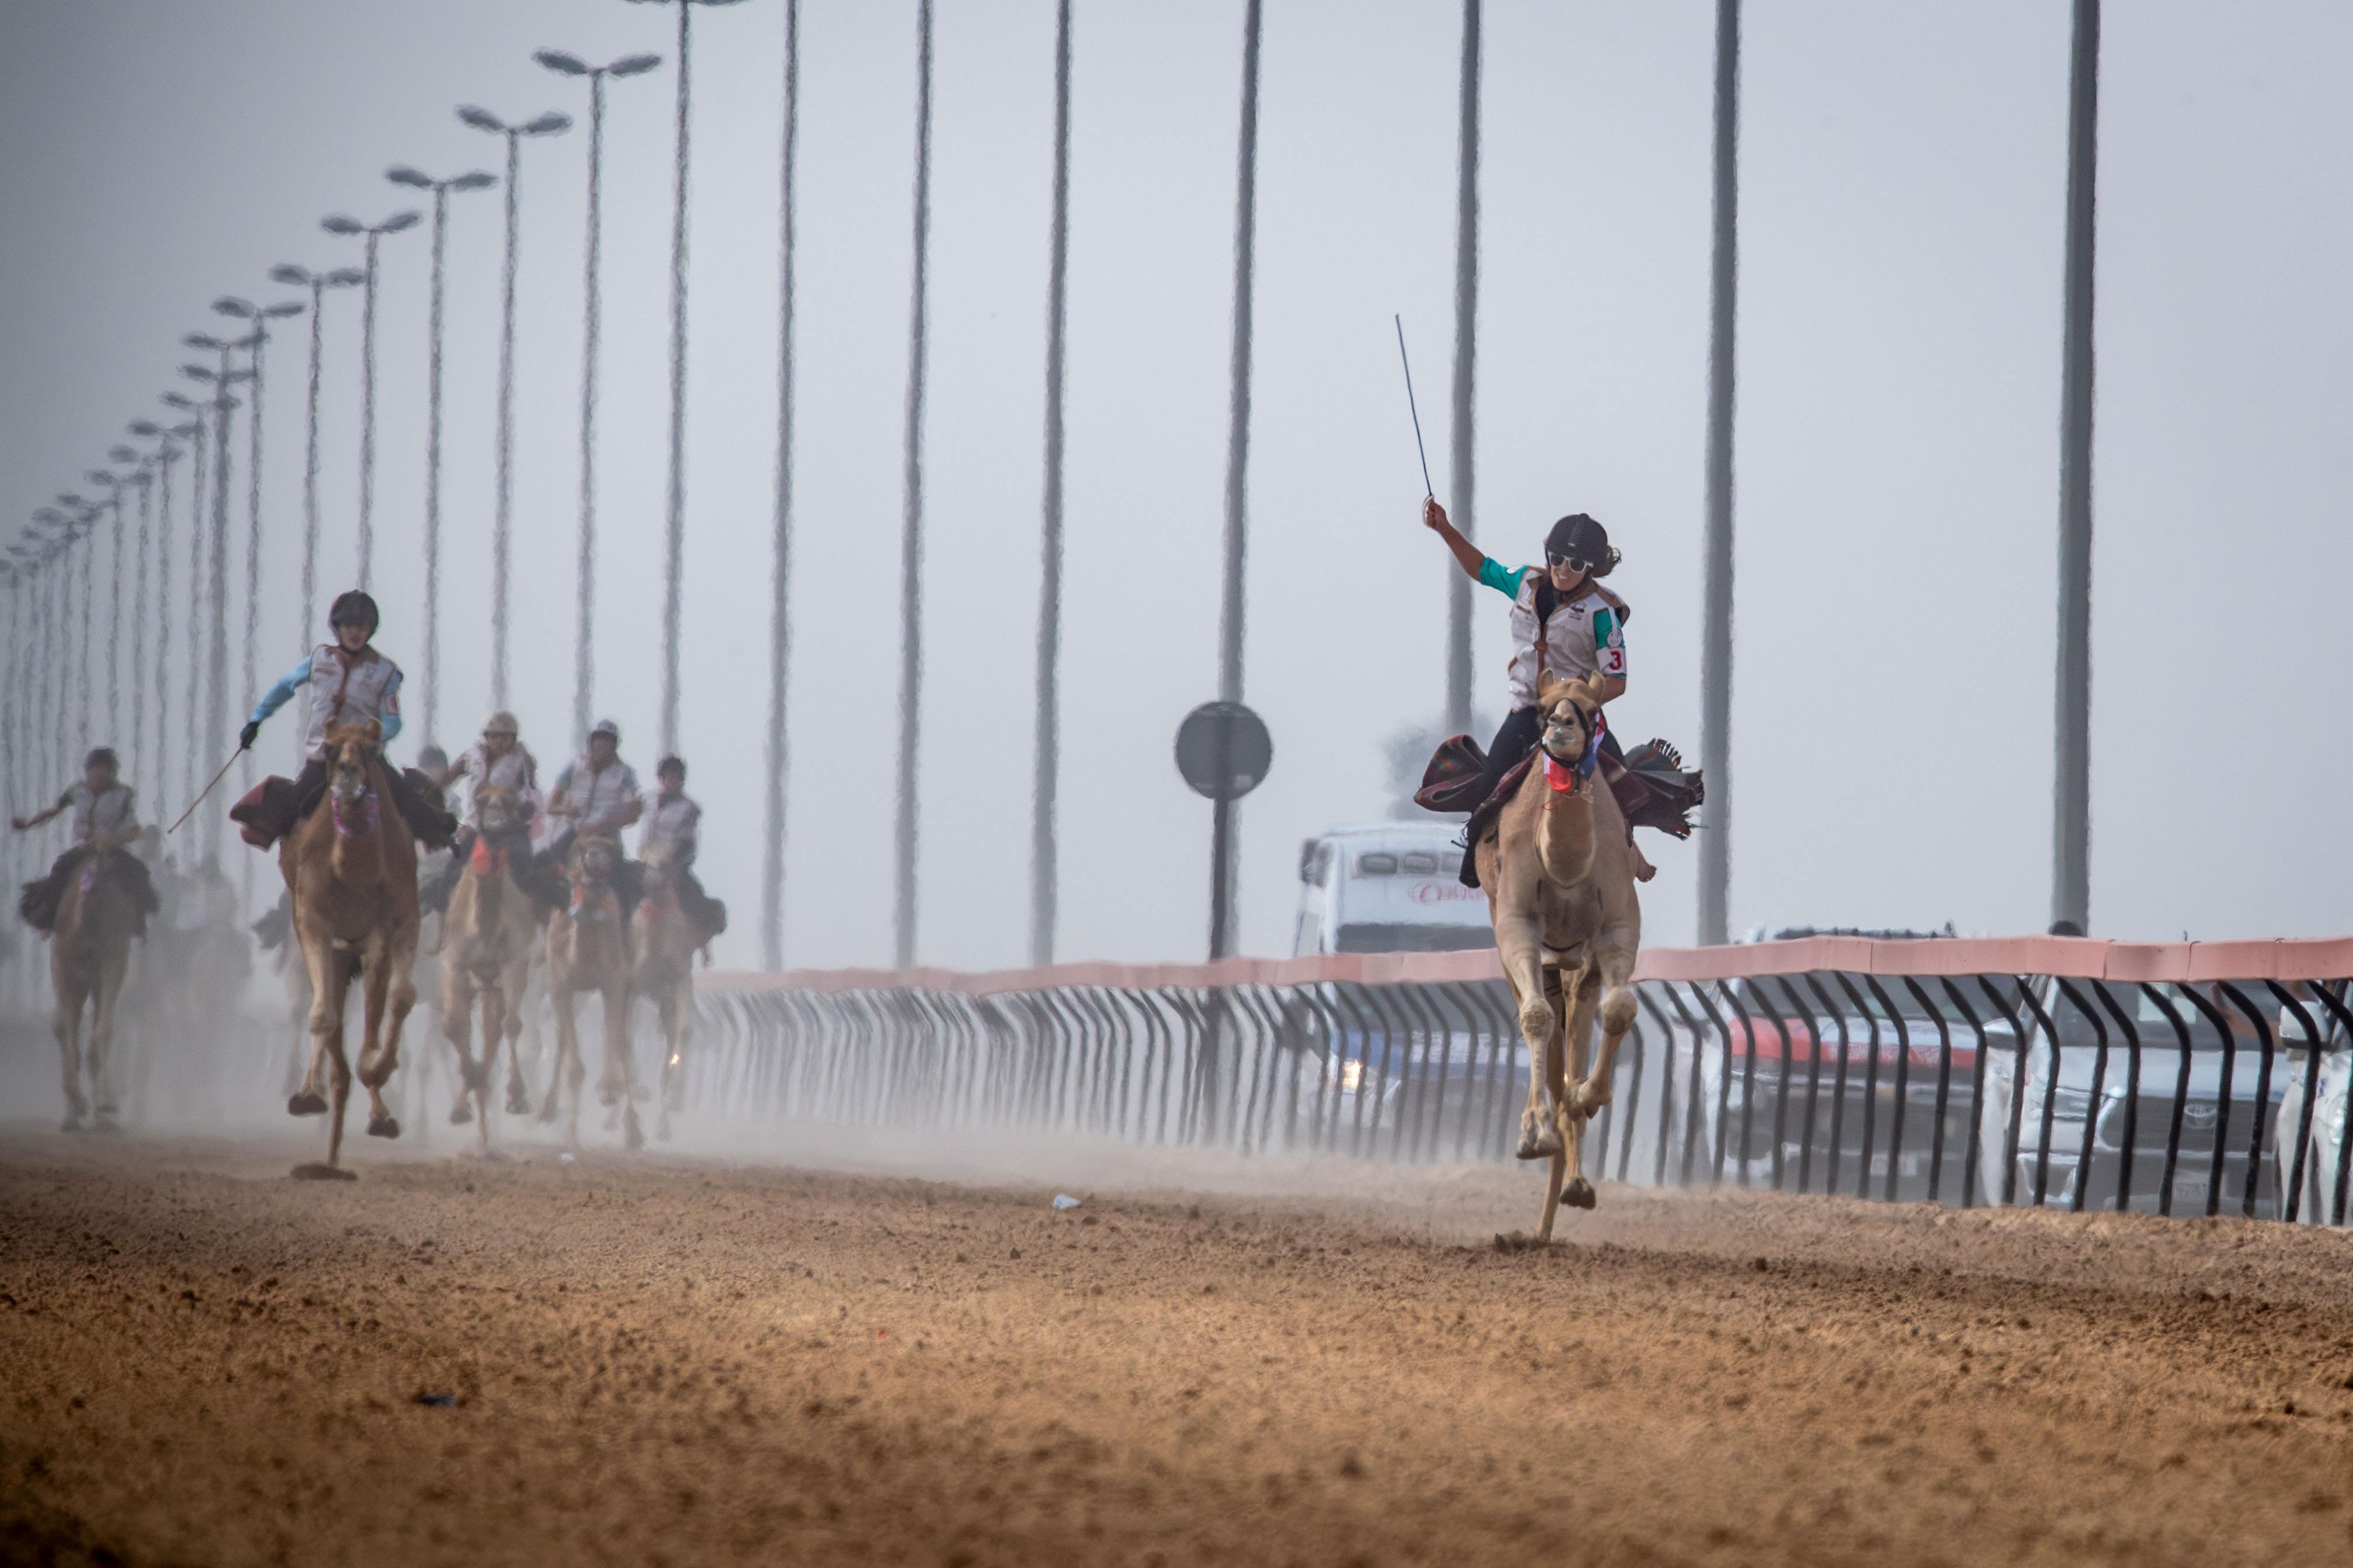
(278, 696)
(1493, 573)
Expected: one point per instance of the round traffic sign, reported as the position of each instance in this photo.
(1223, 750)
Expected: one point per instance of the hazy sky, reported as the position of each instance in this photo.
(1902, 170)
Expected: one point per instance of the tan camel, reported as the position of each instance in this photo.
(1560, 881)
(90, 953)
(351, 865)
(487, 936)
(666, 940)
(589, 950)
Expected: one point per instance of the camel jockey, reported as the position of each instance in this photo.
(350, 683)
(105, 822)
(673, 821)
(597, 795)
(498, 758)
(1563, 617)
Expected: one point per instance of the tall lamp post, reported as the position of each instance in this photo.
(911, 536)
(198, 463)
(1045, 874)
(260, 316)
(169, 446)
(475, 180)
(1716, 615)
(548, 124)
(114, 485)
(80, 526)
(583, 662)
(318, 283)
(675, 522)
(772, 869)
(216, 575)
(341, 225)
(143, 475)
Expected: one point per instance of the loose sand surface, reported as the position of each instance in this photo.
(667, 1361)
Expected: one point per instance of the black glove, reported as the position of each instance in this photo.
(250, 733)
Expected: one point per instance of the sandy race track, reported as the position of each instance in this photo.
(673, 1362)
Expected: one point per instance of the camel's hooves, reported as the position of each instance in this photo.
(633, 1137)
(518, 1103)
(383, 1126)
(71, 1124)
(460, 1115)
(1578, 1193)
(548, 1110)
(1539, 1142)
(104, 1124)
(306, 1104)
(317, 1173)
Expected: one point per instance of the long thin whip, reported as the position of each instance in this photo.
(1428, 489)
(207, 790)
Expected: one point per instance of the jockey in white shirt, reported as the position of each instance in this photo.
(105, 822)
(597, 795)
(674, 822)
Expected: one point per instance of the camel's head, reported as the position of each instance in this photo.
(1572, 718)
(500, 810)
(596, 861)
(661, 866)
(350, 749)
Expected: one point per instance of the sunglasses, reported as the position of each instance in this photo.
(1570, 562)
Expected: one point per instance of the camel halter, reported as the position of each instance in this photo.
(1565, 779)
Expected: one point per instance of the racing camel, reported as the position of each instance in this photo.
(351, 865)
(90, 953)
(589, 950)
(487, 936)
(666, 937)
(1560, 881)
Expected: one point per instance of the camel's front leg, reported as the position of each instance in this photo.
(494, 1027)
(569, 1069)
(1577, 993)
(620, 1062)
(514, 989)
(1521, 951)
(65, 1022)
(101, 1037)
(330, 969)
(458, 1027)
(390, 994)
(1616, 1012)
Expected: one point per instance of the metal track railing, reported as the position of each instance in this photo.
(2176, 1079)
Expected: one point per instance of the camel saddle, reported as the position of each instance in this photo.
(1652, 786)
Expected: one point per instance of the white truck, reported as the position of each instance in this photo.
(1386, 886)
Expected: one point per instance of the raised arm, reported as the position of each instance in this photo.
(22, 823)
(1466, 555)
(277, 697)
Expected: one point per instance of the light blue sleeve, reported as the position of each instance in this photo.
(280, 695)
(1492, 572)
(390, 718)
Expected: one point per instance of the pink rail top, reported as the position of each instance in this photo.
(2080, 958)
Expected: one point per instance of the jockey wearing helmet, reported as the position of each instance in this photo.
(351, 683)
(673, 823)
(105, 822)
(498, 758)
(1561, 616)
(597, 795)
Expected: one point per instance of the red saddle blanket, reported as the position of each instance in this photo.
(1652, 786)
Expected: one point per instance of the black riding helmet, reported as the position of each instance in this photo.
(1582, 543)
(354, 609)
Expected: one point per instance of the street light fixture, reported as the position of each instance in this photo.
(583, 662)
(318, 283)
(341, 225)
(548, 124)
(401, 174)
